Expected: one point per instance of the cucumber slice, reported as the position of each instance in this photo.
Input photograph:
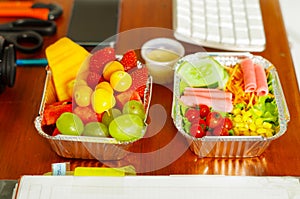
(182, 86)
(203, 72)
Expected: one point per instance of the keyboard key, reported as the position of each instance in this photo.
(253, 13)
(242, 37)
(257, 37)
(199, 32)
(253, 4)
(227, 35)
(213, 33)
(226, 22)
(224, 4)
(255, 23)
(198, 4)
(212, 4)
(212, 21)
(237, 2)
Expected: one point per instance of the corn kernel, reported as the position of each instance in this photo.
(247, 133)
(250, 121)
(252, 133)
(261, 131)
(248, 114)
(252, 127)
(267, 125)
(236, 111)
(236, 131)
(259, 121)
(238, 118)
(239, 124)
(245, 118)
(243, 129)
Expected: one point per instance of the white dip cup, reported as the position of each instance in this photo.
(160, 55)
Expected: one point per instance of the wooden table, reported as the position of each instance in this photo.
(23, 151)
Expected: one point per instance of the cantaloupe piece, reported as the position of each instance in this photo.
(65, 59)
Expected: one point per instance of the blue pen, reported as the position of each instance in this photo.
(32, 62)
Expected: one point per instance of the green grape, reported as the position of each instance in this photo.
(69, 124)
(96, 129)
(109, 115)
(127, 127)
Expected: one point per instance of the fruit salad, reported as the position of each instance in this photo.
(224, 100)
(107, 98)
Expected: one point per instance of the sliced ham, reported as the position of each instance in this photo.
(205, 90)
(216, 104)
(219, 100)
(209, 93)
(249, 75)
(261, 80)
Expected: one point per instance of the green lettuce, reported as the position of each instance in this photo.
(266, 108)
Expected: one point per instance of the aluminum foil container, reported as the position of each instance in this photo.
(231, 146)
(84, 147)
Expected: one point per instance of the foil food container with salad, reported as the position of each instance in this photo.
(244, 140)
(84, 147)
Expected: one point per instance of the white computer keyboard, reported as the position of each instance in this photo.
(234, 25)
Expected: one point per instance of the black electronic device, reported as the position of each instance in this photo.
(94, 22)
(7, 64)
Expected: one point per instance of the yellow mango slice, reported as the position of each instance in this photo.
(65, 59)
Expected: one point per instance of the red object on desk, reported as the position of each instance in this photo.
(29, 9)
(22, 9)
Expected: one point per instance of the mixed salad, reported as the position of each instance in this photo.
(218, 100)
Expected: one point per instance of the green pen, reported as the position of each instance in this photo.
(32, 62)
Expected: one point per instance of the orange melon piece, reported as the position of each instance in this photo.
(65, 58)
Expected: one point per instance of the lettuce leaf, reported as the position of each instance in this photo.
(267, 108)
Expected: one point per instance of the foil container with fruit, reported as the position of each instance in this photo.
(83, 147)
(94, 104)
(237, 144)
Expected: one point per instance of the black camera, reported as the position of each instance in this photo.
(7, 64)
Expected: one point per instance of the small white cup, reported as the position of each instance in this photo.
(160, 55)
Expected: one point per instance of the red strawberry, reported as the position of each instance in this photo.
(100, 58)
(93, 79)
(86, 114)
(129, 60)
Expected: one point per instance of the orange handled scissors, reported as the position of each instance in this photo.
(30, 9)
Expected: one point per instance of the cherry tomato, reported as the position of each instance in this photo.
(192, 115)
(227, 123)
(224, 132)
(209, 132)
(220, 131)
(204, 110)
(214, 119)
(202, 123)
(197, 131)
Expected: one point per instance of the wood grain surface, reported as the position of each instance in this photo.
(24, 152)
